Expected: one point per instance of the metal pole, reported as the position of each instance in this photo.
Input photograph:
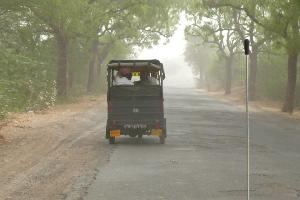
(247, 52)
(248, 130)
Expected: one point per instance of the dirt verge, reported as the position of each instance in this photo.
(238, 97)
(53, 154)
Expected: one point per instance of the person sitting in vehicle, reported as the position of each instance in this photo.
(123, 77)
(145, 79)
(153, 79)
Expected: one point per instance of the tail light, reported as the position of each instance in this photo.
(157, 124)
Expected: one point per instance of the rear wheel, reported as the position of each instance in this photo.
(112, 140)
(165, 128)
(162, 139)
(140, 137)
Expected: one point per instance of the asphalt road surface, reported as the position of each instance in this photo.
(204, 156)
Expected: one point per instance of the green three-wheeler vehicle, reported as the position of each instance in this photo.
(135, 99)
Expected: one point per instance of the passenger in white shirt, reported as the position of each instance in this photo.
(122, 80)
(121, 77)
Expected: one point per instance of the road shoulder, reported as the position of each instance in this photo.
(53, 154)
(256, 106)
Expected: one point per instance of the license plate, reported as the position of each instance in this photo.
(135, 126)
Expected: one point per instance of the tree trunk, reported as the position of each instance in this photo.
(252, 75)
(201, 77)
(228, 75)
(62, 65)
(70, 79)
(101, 57)
(92, 67)
(289, 101)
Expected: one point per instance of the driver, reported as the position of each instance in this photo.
(145, 79)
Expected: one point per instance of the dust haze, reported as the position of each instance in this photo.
(178, 72)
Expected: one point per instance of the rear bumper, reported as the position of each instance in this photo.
(115, 128)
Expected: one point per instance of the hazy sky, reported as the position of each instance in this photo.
(178, 73)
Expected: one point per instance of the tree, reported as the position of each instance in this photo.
(215, 27)
(200, 58)
(63, 44)
(139, 23)
(26, 79)
(65, 21)
(280, 19)
(246, 28)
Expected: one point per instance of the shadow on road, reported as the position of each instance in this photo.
(149, 141)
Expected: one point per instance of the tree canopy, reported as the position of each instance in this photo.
(56, 48)
(272, 27)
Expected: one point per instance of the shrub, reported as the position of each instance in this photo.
(25, 84)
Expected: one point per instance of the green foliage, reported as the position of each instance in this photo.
(272, 26)
(39, 38)
(271, 77)
(24, 84)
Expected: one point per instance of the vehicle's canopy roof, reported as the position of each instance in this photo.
(136, 65)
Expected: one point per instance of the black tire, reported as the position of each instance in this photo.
(140, 139)
(162, 140)
(165, 128)
(112, 140)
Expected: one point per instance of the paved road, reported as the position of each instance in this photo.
(204, 156)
